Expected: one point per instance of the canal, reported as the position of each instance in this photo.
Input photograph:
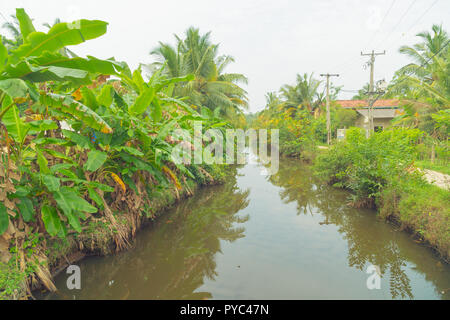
(284, 236)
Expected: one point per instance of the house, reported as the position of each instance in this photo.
(383, 112)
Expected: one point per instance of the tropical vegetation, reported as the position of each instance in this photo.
(299, 112)
(381, 171)
(211, 87)
(86, 144)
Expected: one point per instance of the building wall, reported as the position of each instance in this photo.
(377, 122)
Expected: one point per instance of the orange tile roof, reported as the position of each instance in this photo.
(363, 103)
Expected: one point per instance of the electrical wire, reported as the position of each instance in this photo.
(414, 23)
(381, 24)
(398, 23)
(422, 65)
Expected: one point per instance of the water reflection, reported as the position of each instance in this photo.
(301, 241)
(171, 259)
(369, 241)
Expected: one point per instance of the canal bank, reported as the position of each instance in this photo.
(286, 236)
(101, 237)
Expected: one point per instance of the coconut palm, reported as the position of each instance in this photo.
(14, 30)
(304, 94)
(211, 87)
(424, 84)
(272, 100)
(362, 93)
(428, 74)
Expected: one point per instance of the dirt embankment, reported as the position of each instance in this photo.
(439, 179)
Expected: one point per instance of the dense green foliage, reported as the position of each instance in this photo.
(298, 111)
(211, 86)
(84, 139)
(423, 86)
(379, 171)
(365, 165)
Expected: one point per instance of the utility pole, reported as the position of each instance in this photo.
(371, 88)
(328, 105)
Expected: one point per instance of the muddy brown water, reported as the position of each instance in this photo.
(259, 237)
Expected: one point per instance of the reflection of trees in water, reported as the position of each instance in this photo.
(367, 243)
(173, 257)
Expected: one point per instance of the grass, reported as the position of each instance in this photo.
(421, 208)
(440, 167)
(11, 281)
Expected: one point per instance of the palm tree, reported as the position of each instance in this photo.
(14, 29)
(362, 93)
(272, 100)
(424, 84)
(304, 94)
(211, 87)
(429, 73)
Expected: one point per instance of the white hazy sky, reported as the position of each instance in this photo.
(271, 41)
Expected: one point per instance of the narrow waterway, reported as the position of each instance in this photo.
(260, 237)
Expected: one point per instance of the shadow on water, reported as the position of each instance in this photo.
(284, 236)
(171, 258)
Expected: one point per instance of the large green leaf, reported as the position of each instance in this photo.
(42, 125)
(73, 206)
(143, 101)
(26, 209)
(3, 55)
(51, 220)
(54, 73)
(81, 141)
(42, 161)
(15, 126)
(130, 150)
(95, 160)
(95, 196)
(89, 98)
(4, 219)
(76, 109)
(17, 88)
(90, 64)
(156, 110)
(59, 36)
(106, 96)
(26, 26)
(51, 182)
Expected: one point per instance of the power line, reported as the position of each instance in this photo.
(6, 20)
(413, 24)
(398, 23)
(381, 24)
(417, 21)
(422, 65)
(347, 62)
(423, 14)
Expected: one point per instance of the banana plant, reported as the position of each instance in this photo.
(28, 74)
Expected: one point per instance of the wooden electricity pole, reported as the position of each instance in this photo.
(328, 105)
(371, 88)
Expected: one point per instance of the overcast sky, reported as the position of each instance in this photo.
(271, 41)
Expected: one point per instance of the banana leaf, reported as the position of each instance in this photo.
(76, 109)
(59, 36)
